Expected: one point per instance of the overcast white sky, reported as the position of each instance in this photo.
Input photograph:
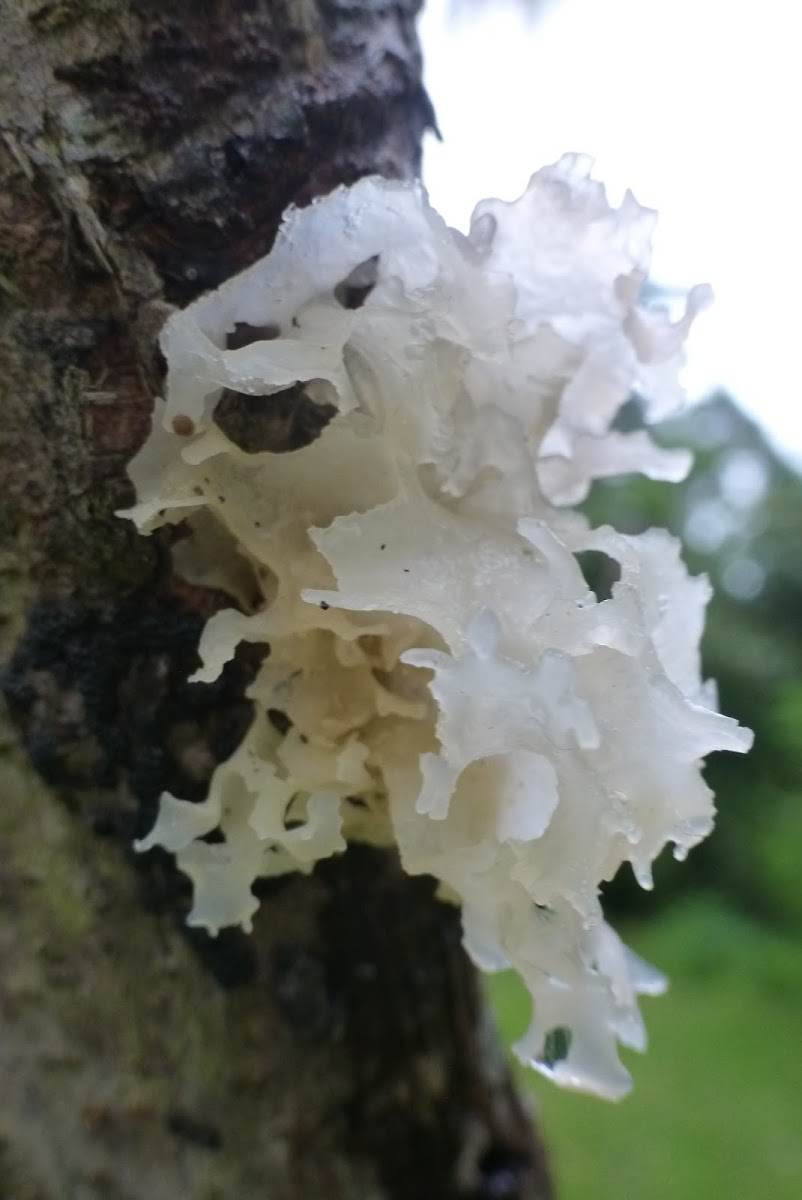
(695, 105)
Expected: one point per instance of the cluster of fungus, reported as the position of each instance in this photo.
(375, 436)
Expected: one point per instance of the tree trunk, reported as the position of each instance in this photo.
(341, 1051)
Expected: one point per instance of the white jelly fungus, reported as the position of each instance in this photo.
(440, 676)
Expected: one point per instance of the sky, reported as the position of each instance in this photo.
(695, 105)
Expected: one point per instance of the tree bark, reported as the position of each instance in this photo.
(341, 1051)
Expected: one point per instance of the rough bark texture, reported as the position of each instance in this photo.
(149, 148)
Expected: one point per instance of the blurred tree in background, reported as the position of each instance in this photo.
(739, 514)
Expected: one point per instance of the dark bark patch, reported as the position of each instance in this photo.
(300, 987)
(229, 957)
(55, 15)
(501, 1171)
(68, 341)
(192, 1129)
(102, 696)
(108, 718)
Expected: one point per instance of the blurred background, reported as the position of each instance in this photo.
(695, 106)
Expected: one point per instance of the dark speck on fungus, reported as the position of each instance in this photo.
(183, 425)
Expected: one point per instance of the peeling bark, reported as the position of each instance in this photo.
(341, 1051)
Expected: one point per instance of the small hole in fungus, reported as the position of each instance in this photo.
(183, 425)
(556, 1045)
(245, 335)
(600, 572)
(353, 291)
(278, 423)
(279, 720)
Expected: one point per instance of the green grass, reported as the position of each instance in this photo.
(716, 1110)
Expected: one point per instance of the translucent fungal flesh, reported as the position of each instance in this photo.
(440, 675)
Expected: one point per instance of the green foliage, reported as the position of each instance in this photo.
(740, 517)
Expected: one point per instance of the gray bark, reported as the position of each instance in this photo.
(341, 1051)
